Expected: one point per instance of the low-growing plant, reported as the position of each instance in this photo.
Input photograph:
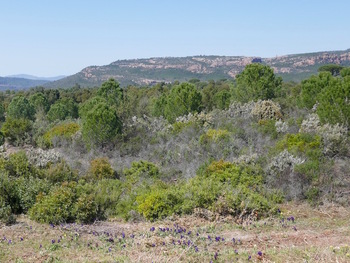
(100, 168)
(60, 172)
(56, 207)
(216, 136)
(60, 131)
(17, 131)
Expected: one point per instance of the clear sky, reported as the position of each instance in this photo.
(61, 37)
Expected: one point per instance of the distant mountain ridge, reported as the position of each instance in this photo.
(31, 77)
(24, 81)
(7, 83)
(168, 69)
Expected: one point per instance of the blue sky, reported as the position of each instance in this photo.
(49, 38)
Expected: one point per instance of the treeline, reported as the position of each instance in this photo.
(234, 148)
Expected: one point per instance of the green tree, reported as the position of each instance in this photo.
(312, 87)
(256, 82)
(345, 72)
(183, 99)
(85, 107)
(63, 109)
(39, 102)
(334, 103)
(2, 112)
(111, 91)
(334, 69)
(20, 107)
(100, 125)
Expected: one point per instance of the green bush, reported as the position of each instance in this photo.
(222, 187)
(27, 189)
(158, 203)
(300, 143)
(64, 130)
(17, 165)
(17, 131)
(85, 208)
(6, 216)
(60, 172)
(214, 136)
(56, 207)
(107, 193)
(268, 127)
(100, 168)
(142, 168)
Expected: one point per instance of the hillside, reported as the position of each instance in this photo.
(168, 69)
(12, 83)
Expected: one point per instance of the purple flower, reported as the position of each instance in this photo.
(152, 229)
(236, 251)
(10, 241)
(153, 245)
(109, 249)
(40, 246)
(132, 235)
(260, 253)
(196, 248)
(216, 255)
(209, 237)
(250, 257)
(123, 235)
(21, 238)
(53, 241)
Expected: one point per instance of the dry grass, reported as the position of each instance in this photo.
(316, 235)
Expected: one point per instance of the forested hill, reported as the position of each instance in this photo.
(10, 83)
(168, 69)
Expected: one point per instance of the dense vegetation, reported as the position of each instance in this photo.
(220, 148)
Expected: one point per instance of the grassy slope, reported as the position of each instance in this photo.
(321, 235)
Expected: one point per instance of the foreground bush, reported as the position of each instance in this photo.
(221, 187)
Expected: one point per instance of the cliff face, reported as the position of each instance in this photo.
(168, 69)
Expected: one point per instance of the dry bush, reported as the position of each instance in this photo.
(267, 110)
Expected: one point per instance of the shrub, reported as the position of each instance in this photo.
(107, 194)
(300, 143)
(100, 168)
(56, 207)
(85, 209)
(17, 131)
(17, 165)
(60, 172)
(267, 110)
(64, 131)
(222, 187)
(268, 127)
(27, 190)
(158, 203)
(142, 169)
(217, 136)
(6, 215)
